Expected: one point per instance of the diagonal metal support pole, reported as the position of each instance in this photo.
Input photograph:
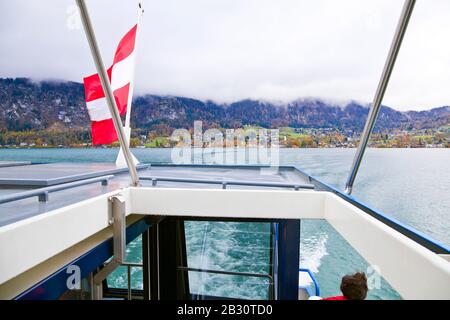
(89, 30)
(381, 90)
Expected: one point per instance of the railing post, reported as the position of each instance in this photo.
(288, 259)
(119, 244)
(43, 197)
(129, 282)
(381, 90)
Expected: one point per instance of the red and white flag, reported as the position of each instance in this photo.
(120, 75)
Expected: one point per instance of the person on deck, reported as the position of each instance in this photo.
(353, 287)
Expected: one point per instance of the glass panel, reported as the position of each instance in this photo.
(119, 277)
(229, 286)
(410, 185)
(330, 257)
(229, 246)
(134, 251)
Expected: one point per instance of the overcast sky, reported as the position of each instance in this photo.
(226, 50)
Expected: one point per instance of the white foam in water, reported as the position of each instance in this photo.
(211, 245)
(232, 247)
(312, 250)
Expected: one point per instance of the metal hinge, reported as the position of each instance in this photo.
(118, 222)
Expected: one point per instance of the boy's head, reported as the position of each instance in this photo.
(354, 287)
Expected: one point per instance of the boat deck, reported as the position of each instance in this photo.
(44, 175)
(17, 179)
(187, 192)
(5, 164)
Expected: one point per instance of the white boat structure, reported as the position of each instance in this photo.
(64, 227)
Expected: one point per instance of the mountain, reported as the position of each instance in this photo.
(28, 105)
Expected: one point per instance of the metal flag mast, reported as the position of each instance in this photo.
(120, 161)
(381, 90)
(108, 91)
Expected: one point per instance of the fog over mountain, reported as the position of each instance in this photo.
(30, 105)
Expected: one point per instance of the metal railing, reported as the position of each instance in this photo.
(236, 273)
(130, 265)
(224, 183)
(313, 278)
(43, 193)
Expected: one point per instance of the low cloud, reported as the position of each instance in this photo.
(227, 50)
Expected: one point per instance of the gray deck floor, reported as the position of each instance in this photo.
(5, 164)
(23, 209)
(44, 175)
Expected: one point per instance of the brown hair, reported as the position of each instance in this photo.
(354, 287)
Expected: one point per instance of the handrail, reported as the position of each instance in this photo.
(235, 273)
(313, 278)
(381, 90)
(231, 273)
(130, 265)
(43, 193)
(225, 183)
(413, 234)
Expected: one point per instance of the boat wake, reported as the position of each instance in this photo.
(312, 250)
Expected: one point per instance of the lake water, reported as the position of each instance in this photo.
(411, 185)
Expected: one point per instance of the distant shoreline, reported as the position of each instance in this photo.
(282, 147)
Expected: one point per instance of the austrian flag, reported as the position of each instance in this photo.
(121, 77)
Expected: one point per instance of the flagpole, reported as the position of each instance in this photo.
(130, 94)
(89, 30)
(127, 128)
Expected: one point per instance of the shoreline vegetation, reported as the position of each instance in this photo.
(51, 114)
(288, 138)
